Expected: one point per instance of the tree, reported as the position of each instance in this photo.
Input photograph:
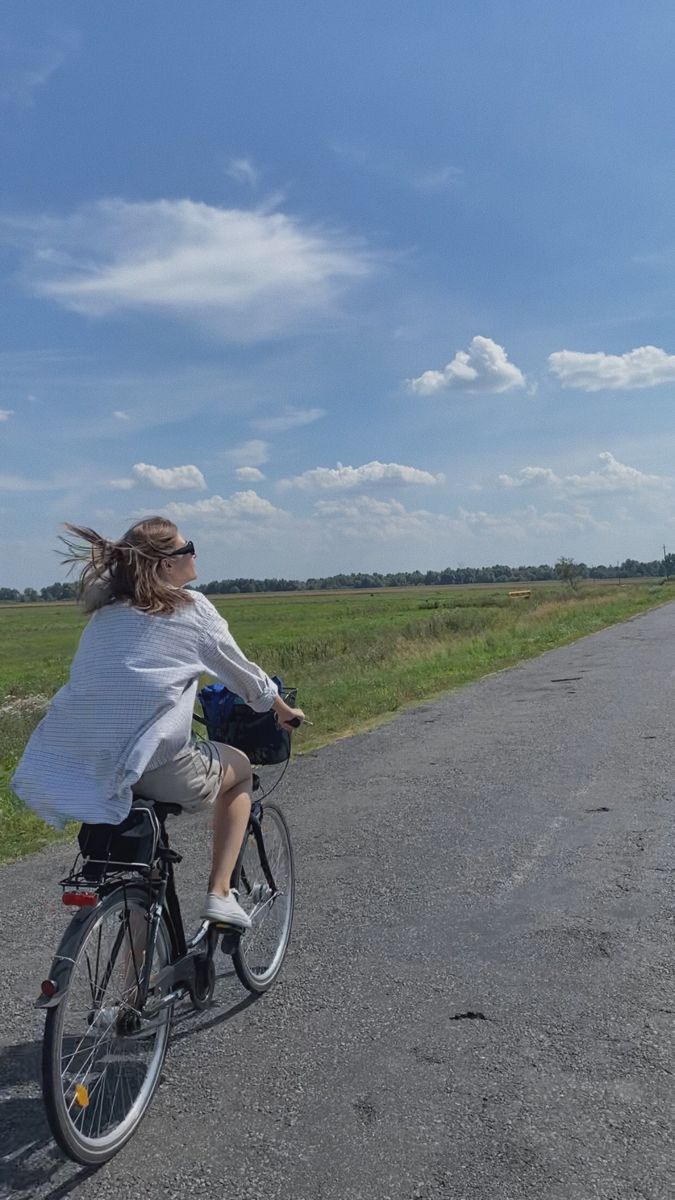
(570, 571)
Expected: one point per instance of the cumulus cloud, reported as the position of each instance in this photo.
(647, 366)
(122, 485)
(615, 476)
(377, 474)
(240, 274)
(528, 521)
(249, 454)
(612, 476)
(249, 474)
(240, 506)
(529, 477)
(6, 413)
(289, 418)
(484, 367)
(170, 478)
(121, 415)
(368, 519)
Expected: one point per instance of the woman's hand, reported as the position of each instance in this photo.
(291, 722)
(288, 718)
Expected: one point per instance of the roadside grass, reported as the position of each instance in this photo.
(357, 658)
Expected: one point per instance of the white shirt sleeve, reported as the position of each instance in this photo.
(222, 657)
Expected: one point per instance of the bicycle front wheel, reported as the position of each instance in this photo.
(261, 950)
(102, 1058)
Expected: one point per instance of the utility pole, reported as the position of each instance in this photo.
(665, 564)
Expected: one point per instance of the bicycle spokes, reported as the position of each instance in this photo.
(265, 880)
(104, 1057)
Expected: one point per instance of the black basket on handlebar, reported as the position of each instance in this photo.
(229, 719)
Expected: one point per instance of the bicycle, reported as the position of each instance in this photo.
(124, 962)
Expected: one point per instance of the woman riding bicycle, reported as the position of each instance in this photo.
(121, 726)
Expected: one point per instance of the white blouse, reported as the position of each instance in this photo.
(127, 707)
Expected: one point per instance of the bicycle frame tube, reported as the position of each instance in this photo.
(254, 827)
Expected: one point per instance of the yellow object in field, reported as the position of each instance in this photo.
(81, 1095)
(524, 594)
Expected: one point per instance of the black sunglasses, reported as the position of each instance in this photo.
(188, 548)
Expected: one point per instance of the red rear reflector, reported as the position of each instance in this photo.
(49, 988)
(81, 899)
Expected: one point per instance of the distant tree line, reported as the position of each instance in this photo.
(499, 573)
(629, 569)
(55, 591)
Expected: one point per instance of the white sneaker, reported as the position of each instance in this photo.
(225, 910)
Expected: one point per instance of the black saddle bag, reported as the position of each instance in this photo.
(131, 844)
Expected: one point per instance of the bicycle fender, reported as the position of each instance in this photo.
(60, 975)
(62, 963)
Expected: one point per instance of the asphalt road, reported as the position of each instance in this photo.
(505, 851)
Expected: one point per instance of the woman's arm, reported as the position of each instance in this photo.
(221, 656)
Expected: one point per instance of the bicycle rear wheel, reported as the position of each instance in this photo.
(260, 953)
(101, 1060)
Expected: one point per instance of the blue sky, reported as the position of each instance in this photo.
(339, 287)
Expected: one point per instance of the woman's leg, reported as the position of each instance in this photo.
(231, 811)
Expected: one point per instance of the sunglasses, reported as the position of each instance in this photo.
(188, 548)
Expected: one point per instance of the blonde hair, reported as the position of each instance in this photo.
(127, 569)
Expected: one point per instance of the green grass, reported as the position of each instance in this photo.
(356, 657)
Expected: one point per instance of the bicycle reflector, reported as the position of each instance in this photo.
(80, 899)
(49, 988)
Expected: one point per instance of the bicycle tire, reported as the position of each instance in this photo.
(70, 1091)
(258, 959)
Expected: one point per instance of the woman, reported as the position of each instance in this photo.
(121, 726)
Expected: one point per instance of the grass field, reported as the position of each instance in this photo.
(356, 657)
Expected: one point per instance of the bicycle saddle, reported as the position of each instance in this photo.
(166, 810)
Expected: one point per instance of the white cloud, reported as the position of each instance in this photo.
(342, 478)
(528, 477)
(249, 454)
(6, 413)
(371, 520)
(240, 506)
(249, 474)
(484, 367)
(524, 522)
(170, 478)
(122, 485)
(613, 476)
(240, 274)
(647, 366)
(121, 415)
(241, 170)
(289, 418)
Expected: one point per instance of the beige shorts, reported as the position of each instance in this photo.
(191, 780)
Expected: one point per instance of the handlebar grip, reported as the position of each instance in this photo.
(295, 722)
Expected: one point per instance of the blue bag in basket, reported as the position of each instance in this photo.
(229, 719)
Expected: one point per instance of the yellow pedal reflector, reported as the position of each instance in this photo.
(81, 1095)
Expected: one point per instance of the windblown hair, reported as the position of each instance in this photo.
(127, 569)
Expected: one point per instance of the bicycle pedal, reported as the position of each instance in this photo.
(230, 939)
